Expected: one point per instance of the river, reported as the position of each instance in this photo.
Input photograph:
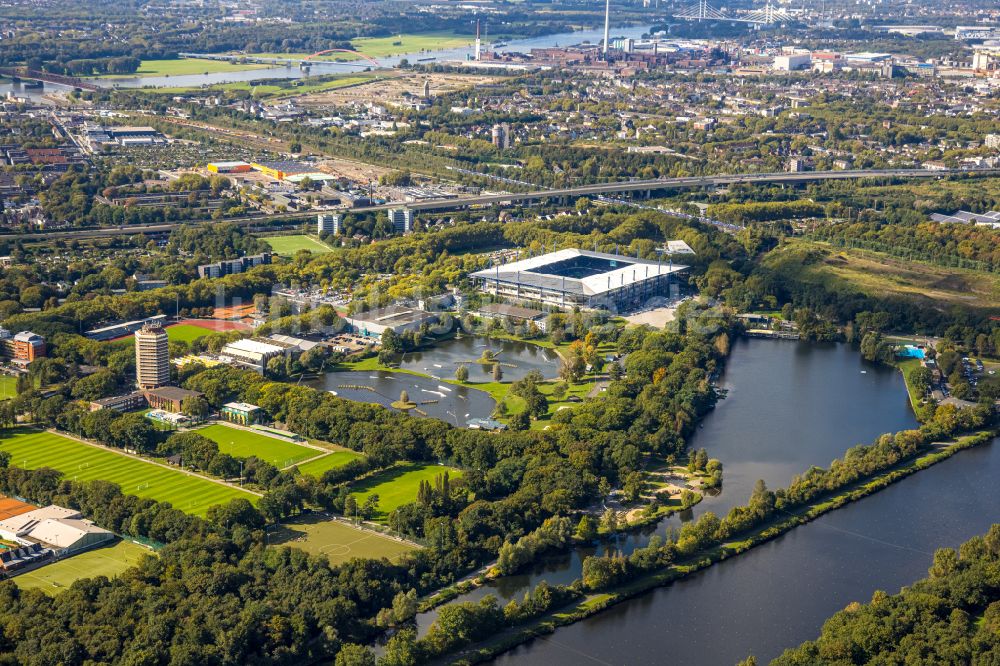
(330, 67)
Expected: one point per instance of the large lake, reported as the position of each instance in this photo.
(790, 405)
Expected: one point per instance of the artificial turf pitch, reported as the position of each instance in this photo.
(32, 449)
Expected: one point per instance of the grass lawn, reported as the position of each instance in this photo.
(337, 540)
(398, 486)
(184, 66)
(330, 461)
(107, 561)
(8, 387)
(244, 443)
(33, 448)
(288, 245)
(379, 47)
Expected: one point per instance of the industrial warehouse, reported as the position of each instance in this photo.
(573, 277)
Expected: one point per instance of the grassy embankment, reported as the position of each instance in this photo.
(184, 67)
(594, 603)
(878, 275)
(274, 88)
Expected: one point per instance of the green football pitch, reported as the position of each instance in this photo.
(245, 443)
(339, 541)
(289, 245)
(398, 486)
(32, 449)
(108, 561)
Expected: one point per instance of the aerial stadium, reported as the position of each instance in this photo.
(571, 278)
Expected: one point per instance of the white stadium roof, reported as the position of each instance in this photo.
(622, 271)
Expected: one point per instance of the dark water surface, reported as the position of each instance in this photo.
(790, 405)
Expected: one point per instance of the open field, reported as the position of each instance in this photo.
(108, 561)
(289, 245)
(398, 486)
(33, 448)
(380, 47)
(330, 461)
(244, 443)
(339, 541)
(391, 87)
(182, 67)
(882, 276)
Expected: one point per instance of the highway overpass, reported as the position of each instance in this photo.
(454, 203)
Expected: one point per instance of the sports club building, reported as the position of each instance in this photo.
(569, 278)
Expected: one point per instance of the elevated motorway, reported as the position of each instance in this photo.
(690, 182)
(596, 190)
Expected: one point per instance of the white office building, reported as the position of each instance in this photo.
(328, 223)
(401, 220)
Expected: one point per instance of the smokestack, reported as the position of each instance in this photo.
(479, 44)
(607, 25)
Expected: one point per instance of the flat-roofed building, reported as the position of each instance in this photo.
(242, 412)
(398, 318)
(252, 354)
(152, 357)
(516, 313)
(401, 220)
(169, 398)
(572, 277)
(62, 530)
(120, 403)
(229, 167)
(328, 223)
(22, 348)
(232, 266)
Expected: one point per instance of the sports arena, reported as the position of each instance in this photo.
(568, 278)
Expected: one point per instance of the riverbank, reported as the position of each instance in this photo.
(597, 602)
